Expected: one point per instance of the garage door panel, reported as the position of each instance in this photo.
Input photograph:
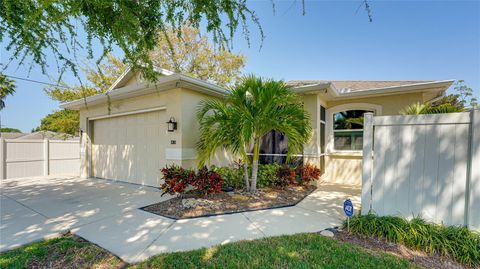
(130, 148)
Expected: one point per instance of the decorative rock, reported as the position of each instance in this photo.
(189, 203)
(193, 202)
(327, 233)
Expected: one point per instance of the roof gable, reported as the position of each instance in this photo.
(130, 77)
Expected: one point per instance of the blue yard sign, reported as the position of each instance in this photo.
(348, 208)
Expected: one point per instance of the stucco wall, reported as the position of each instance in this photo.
(391, 105)
(190, 101)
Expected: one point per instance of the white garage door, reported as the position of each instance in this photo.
(130, 148)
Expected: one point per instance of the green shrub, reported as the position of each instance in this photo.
(233, 176)
(267, 174)
(459, 243)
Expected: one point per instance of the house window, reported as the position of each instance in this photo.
(348, 129)
(323, 117)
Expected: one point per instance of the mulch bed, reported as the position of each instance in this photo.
(231, 202)
(416, 257)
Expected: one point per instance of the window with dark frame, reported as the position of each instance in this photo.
(348, 130)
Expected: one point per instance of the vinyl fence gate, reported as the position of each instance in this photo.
(423, 165)
(35, 157)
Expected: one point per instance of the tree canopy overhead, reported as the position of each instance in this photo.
(99, 80)
(192, 53)
(34, 28)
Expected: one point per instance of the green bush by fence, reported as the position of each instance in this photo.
(460, 243)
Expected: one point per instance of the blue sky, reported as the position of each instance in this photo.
(407, 40)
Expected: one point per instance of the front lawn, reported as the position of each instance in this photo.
(67, 251)
(295, 251)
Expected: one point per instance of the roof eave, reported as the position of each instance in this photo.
(312, 88)
(436, 86)
(440, 86)
(164, 83)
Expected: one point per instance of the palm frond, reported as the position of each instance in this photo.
(415, 109)
(253, 108)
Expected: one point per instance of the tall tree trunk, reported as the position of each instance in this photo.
(256, 155)
(245, 167)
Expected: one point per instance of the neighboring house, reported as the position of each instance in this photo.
(38, 135)
(11, 135)
(125, 133)
(49, 135)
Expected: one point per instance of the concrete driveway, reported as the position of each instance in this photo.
(106, 213)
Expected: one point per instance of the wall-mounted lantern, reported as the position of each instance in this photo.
(172, 124)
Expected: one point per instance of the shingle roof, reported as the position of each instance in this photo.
(356, 85)
(12, 135)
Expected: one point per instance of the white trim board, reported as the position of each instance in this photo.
(133, 112)
(179, 154)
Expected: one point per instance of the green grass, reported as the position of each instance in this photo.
(63, 252)
(296, 251)
(458, 243)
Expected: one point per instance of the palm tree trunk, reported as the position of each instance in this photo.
(256, 154)
(245, 167)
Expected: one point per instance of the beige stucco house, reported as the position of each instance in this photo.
(125, 136)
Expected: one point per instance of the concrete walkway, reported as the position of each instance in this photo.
(106, 213)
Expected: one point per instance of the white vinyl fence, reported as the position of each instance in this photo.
(24, 158)
(425, 165)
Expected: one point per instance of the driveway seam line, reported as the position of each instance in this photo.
(254, 225)
(24, 205)
(153, 241)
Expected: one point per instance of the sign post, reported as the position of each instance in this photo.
(348, 209)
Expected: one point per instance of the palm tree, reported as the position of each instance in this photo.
(415, 109)
(426, 108)
(252, 109)
(7, 87)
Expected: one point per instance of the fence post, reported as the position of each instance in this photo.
(3, 159)
(473, 186)
(367, 163)
(46, 157)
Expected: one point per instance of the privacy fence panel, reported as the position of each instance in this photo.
(423, 165)
(24, 158)
(64, 157)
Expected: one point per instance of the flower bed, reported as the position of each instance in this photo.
(199, 193)
(193, 204)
